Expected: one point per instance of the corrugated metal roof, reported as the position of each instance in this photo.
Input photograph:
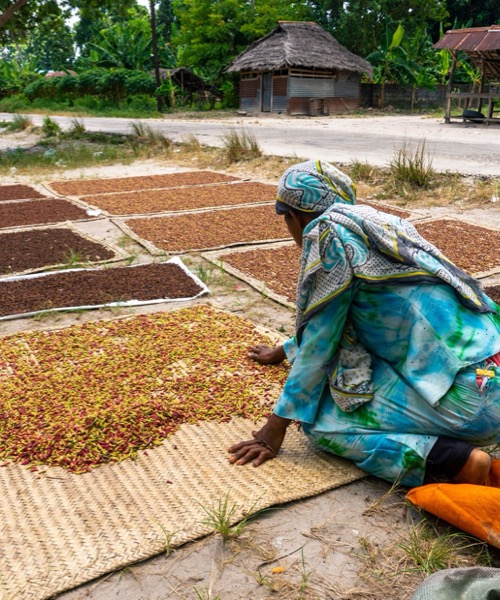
(474, 39)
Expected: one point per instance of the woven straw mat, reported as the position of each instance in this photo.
(61, 529)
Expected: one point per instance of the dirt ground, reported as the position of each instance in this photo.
(343, 544)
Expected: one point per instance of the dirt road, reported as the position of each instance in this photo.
(467, 148)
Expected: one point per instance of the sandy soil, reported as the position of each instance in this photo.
(342, 544)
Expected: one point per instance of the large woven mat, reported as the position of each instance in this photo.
(60, 530)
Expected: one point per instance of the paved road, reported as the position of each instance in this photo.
(464, 147)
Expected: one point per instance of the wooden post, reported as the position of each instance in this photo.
(449, 86)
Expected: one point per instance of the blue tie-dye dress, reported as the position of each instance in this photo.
(424, 347)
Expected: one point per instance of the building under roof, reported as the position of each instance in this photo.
(299, 68)
(482, 46)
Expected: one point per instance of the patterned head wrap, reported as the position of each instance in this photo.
(313, 186)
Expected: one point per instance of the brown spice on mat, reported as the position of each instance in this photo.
(37, 212)
(471, 247)
(18, 192)
(213, 229)
(277, 268)
(102, 286)
(145, 182)
(24, 250)
(99, 392)
(493, 291)
(183, 198)
(398, 212)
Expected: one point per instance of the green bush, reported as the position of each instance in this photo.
(41, 88)
(15, 103)
(142, 103)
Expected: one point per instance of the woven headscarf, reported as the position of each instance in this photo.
(313, 186)
(359, 242)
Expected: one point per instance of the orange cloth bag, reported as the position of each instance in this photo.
(472, 508)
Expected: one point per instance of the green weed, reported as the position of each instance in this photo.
(50, 128)
(19, 123)
(145, 134)
(76, 130)
(431, 551)
(412, 168)
(205, 594)
(220, 518)
(361, 171)
(240, 146)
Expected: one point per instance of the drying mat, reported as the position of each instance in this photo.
(83, 187)
(473, 248)
(185, 199)
(31, 243)
(61, 530)
(44, 211)
(91, 282)
(18, 191)
(278, 262)
(209, 230)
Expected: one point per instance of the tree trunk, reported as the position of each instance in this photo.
(13, 8)
(156, 64)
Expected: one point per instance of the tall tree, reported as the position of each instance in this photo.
(362, 24)
(51, 44)
(20, 16)
(480, 13)
(212, 32)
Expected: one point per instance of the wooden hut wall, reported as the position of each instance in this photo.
(334, 94)
(280, 93)
(250, 98)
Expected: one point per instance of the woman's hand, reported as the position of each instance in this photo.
(266, 355)
(265, 444)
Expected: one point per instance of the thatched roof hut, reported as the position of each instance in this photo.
(299, 68)
(298, 44)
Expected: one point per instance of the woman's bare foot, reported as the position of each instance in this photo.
(476, 469)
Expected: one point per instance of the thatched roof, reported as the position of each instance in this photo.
(298, 44)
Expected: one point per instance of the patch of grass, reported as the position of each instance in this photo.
(50, 128)
(361, 171)
(19, 123)
(205, 594)
(192, 143)
(67, 155)
(77, 129)
(412, 168)
(240, 146)
(430, 551)
(143, 133)
(221, 516)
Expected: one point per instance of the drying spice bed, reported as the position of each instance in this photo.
(398, 212)
(215, 229)
(18, 192)
(97, 287)
(26, 250)
(187, 198)
(493, 292)
(84, 187)
(99, 392)
(277, 268)
(471, 247)
(39, 212)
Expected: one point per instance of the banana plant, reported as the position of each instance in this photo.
(391, 62)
